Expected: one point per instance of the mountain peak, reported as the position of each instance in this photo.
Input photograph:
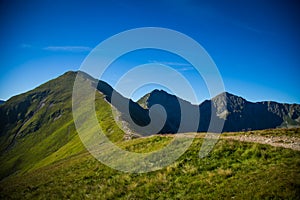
(226, 95)
(159, 91)
(228, 102)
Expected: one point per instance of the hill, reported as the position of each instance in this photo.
(38, 123)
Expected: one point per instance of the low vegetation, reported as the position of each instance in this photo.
(233, 170)
(291, 132)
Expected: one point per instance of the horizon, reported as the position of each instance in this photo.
(163, 89)
(254, 44)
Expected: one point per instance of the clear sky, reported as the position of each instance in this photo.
(255, 44)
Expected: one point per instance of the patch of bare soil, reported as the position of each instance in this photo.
(277, 141)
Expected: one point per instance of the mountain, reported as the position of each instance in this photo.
(41, 116)
(44, 116)
(2, 102)
(242, 114)
(173, 106)
(237, 113)
(39, 123)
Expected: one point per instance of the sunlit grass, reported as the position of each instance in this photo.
(232, 170)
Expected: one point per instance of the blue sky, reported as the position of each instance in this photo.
(255, 44)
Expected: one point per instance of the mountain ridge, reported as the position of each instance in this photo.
(234, 110)
(37, 127)
(243, 114)
(225, 105)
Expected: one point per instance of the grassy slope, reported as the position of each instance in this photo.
(55, 137)
(233, 170)
(32, 145)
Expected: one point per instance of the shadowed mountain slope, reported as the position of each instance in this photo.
(237, 113)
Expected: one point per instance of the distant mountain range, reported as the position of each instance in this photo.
(237, 113)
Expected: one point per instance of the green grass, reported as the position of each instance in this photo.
(233, 170)
(49, 134)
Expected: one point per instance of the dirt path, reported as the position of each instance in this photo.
(277, 141)
(289, 142)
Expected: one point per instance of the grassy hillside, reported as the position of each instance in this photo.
(234, 169)
(37, 127)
